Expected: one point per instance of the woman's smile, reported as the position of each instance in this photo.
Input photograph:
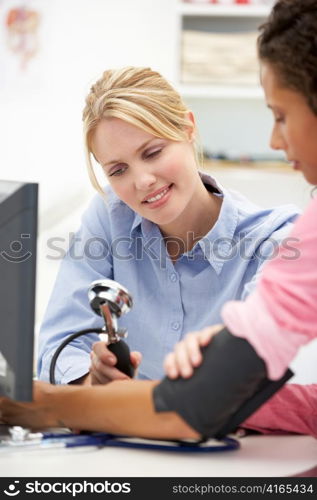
(159, 197)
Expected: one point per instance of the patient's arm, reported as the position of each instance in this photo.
(121, 407)
(230, 378)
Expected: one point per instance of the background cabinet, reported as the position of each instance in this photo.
(232, 117)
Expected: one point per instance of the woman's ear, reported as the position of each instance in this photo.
(191, 130)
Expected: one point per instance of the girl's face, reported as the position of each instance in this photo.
(295, 125)
(156, 177)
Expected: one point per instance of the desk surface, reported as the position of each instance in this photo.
(259, 456)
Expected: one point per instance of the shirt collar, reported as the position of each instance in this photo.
(216, 245)
(136, 224)
(115, 203)
(208, 180)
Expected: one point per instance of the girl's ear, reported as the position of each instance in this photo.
(191, 129)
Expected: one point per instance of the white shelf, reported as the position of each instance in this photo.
(220, 91)
(213, 10)
(215, 102)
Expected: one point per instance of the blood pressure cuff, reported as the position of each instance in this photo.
(228, 386)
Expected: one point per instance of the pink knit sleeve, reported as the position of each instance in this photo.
(292, 409)
(281, 315)
(289, 283)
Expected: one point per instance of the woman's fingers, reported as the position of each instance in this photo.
(103, 373)
(103, 361)
(206, 334)
(182, 358)
(136, 358)
(192, 345)
(101, 351)
(170, 366)
(187, 353)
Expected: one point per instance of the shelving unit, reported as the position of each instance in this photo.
(231, 117)
(218, 18)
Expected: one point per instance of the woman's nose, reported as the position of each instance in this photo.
(277, 141)
(144, 179)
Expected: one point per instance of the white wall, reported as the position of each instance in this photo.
(234, 126)
(40, 119)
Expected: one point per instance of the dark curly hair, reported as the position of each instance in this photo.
(288, 41)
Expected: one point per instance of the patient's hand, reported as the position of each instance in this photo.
(34, 415)
(187, 354)
(102, 369)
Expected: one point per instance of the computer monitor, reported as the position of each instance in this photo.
(18, 235)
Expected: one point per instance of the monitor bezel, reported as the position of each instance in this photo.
(18, 226)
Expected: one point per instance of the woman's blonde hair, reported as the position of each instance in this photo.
(141, 97)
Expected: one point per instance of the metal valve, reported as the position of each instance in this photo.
(110, 300)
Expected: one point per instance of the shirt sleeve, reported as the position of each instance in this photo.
(88, 259)
(292, 409)
(281, 315)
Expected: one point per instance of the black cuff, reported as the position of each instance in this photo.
(228, 386)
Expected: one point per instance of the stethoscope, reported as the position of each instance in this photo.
(110, 300)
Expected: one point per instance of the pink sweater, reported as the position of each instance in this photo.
(280, 317)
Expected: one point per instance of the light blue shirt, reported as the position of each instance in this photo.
(170, 299)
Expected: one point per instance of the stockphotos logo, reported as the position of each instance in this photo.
(17, 253)
(12, 490)
(68, 487)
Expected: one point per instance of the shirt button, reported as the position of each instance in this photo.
(175, 325)
(173, 277)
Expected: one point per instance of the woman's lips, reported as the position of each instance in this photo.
(163, 198)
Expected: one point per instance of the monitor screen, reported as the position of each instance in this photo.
(18, 234)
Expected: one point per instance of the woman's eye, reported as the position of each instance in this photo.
(152, 154)
(117, 171)
(279, 119)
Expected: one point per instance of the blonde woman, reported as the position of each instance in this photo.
(179, 242)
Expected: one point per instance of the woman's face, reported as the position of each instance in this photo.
(295, 125)
(155, 177)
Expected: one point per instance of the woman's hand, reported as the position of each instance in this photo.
(102, 368)
(187, 354)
